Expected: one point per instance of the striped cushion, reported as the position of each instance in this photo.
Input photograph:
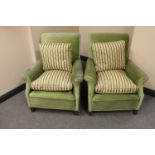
(109, 55)
(114, 81)
(54, 80)
(56, 56)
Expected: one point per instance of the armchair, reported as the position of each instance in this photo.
(113, 101)
(65, 100)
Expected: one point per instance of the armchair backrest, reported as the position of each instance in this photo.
(106, 37)
(73, 38)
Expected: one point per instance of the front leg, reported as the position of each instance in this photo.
(33, 109)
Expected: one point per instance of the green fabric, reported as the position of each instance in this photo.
(34, 72)
(30, 75)
(45, 103)
(139, 78)
(90, 77)
(53, 95)
(110, 102)
(90, 72)
(135, 73)
(56, 100)
(52, 100)
(114, 105)
(77, 72)
(73, 38)
(106, 37)
(77, 78)
(115, 97)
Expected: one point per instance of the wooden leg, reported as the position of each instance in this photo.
(90, 113)
(33, 109)
(76, 112)
(135, 112)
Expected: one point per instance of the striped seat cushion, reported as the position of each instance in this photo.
(54, 80)
(56, 56)
(114, 81)
(109, 55)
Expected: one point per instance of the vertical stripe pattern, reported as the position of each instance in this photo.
(114, 81)
(109, 55)
(56, 56)
(54, 80)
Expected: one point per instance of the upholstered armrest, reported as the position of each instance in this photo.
(90, 77)
(77, 77)
(90, 72)
(34, 72)
(30, 75)
(77, 72)
(135, 73)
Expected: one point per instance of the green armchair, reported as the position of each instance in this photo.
(66, 100)
(113, 101)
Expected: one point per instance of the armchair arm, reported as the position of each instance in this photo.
(136, 74)
(139, 77)
(34, 72)
(77, 72)
(30, 75)
(77, 77)
(90, 72)
(90, 77)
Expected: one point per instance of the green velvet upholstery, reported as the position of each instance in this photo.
(113, 102)
(68, 100)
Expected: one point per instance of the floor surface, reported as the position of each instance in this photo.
(14, 113)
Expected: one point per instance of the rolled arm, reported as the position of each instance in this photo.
(90, 71)
(77, 78)
(34, 72)
(90, 77)
(30, 75)
(135, 73)
(77, 72)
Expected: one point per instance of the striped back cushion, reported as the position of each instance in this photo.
(109, 55)
(56, 56)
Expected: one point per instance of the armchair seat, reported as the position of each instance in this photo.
(114, 81)
(53, 80)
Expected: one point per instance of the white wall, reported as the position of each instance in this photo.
(38, 30)
(85, 31)
(19, 51)
(16, 55)
(142, 52)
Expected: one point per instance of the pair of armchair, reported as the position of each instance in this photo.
(70, 100)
